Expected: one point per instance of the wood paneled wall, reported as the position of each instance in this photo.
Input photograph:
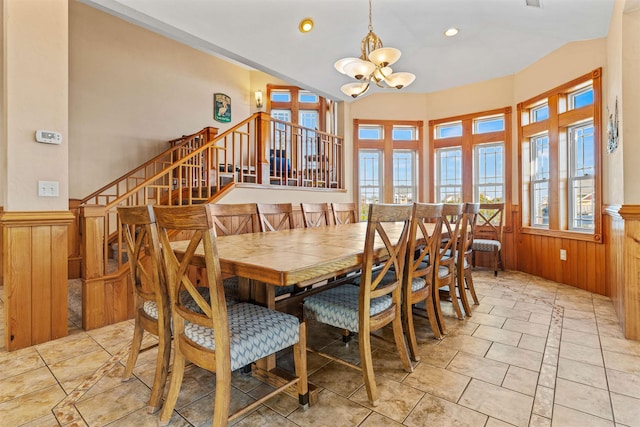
(34, 265)
(629, 292)
(75, 257)
(540, 255)
(613, 230)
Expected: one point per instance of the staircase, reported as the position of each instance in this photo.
(199, 168)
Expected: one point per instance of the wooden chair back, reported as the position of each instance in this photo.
(452, 219)
(274, 217)
(489, 223)
(231, 219)
(464, 252)
(315, 214)
(378, 277)
(344, 213)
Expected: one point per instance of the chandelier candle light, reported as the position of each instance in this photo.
(372, 66)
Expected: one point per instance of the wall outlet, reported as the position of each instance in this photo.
(563, 255)
(48, 189)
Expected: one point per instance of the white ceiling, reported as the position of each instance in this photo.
(497, 37)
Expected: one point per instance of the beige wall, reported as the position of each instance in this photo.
(131, 90)
(3, 142)
(35, 96)
(631, 102)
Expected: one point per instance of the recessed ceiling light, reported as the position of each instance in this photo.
(306, 25)
(451, 32)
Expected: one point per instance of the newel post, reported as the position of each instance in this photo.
(263, 139)
(93, 254)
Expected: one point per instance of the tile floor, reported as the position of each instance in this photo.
(534, 353)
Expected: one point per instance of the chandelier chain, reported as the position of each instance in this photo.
(370, 20)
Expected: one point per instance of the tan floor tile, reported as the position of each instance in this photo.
(583, 398)
(539, 421)
(433, 411)
(533, 307)
(543, 403)
(581, 338)
(498, 335)
(542, 319)
(241, 381)
(347, 352)
(477, 367)
(437, 356)
(581, 353)
(492, 422)
(483, 307)
(437, 381)
(25, 383)
(551, 355)
(626, 410)
(521, 380)
(30, 407)
(338, 378)
(488, 319)
(567, 417)
(622, 362)
(612, 330)
(141, 418)
(530, 342)
(200, 412)
(466, 343)
(499, 302)
(624, 383)
(587, 326)
(526, 327)
(526, 359)
(262, 417)
(47, 421)
(621, 346)
(196, 383)
(113, 337)
(582, 373)
(64, 348)
(378, 420)
(344, 413)
(22, 362)
(579, 315)
(120, 401)
(578, 305)
(282, 403)
(466, 327)
(388, 365)
(396, 400)
(73, 371)
(547, 377)
(498, 402)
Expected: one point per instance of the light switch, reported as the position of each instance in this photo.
(48, 189)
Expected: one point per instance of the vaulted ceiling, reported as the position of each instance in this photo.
(496, 38)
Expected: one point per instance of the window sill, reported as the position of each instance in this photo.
(563, 234)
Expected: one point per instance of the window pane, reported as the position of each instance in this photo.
(581, 98)
(404, 182)
(449, 175)
(404, 133)
(281, 96)
(449, 130)
(581, 172)
(281, 131)
(540, 205)
(540, 158)
(582, 147)
(370, 132)
(582, 199)
(304, 96)
(489, 176)
(308, 119)
(492, 124)
(370, 175)
(540, 113)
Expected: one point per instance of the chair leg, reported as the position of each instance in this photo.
(495, 262)
(435, 295)
(500, 260)
(300, 361)
(222, 400)
(463, 292)
(407, 322)
(136, 343)
(469, 279)
(177, 373)
(364, 341)
(454, 299)
(401, 344)
(162, 369)
(433, 321)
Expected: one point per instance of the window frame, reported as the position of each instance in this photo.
(561, 118)
(476, 171)
(573, 177)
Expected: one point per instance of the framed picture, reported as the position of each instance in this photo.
(612, 129)
(222, 107)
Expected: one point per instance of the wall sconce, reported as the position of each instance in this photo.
(258, 99)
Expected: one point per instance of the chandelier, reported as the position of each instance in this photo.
(373, 66)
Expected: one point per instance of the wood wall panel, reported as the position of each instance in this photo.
(73, 243)
(631, 283)
(34, 268)
(614, 259)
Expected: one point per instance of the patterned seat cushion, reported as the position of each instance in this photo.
(418, 283)
(484, 245)
(151, 309)
(444, 272)
(339, 307)
(230, 285)
(255, 332)
(282, 290)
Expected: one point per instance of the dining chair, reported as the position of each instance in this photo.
(488, 234)
(275, 216)
(315, 214)
(152, 312)
(217, 337)
(446, 276)
(344, 213)
(464, 253)
(421, 263)
(377, 302)
(232, 219)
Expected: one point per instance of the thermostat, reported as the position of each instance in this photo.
(48, 137)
